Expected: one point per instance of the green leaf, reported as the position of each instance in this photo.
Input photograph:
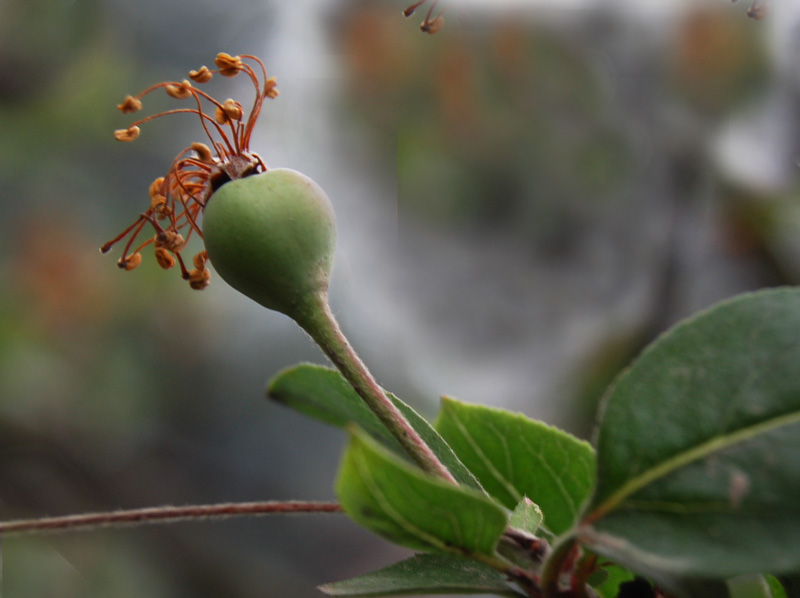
(527, 516)
(425, 574)
(775, 587)
(513, 457)
(699, 446)
(615, 575)
(398, 501)
(753, 586)
(323, 394)
(598, 578)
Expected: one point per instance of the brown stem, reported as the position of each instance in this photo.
(554, 566)
(318, 321)
(166, 514)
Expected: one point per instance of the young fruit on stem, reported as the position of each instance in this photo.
(270, 233)
(271, 236)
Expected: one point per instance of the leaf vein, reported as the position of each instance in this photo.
(702, 450)
(493, 471)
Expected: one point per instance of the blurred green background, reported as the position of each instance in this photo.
(524, 201)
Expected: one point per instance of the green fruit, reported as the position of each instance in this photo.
(271, 236)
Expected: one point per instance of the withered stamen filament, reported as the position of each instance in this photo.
(178, 198)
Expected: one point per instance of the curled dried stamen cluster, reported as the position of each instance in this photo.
(178, 198)
(431, 24)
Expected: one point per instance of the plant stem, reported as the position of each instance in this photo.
(554, 566)
(167, 514)
(317, 320)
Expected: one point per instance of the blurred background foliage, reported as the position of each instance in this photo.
(524, 201)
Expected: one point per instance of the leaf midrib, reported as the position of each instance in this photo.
(717, 443)
(507, 484)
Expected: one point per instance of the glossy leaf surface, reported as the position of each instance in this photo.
(699, 446)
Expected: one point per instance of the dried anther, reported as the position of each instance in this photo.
(169, 240)
(202, 75)
(178, 198)
(128, 134)
(198, 279)
(164, 259)
(228, 65)
(410, 10)
(203, 152)
(230, 110)
(200, 260)
(180, 91)
(130, 262)
(434, 25)
(271, 89)
(156, 188)
(129, 104)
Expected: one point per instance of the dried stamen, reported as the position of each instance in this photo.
(130, 104)
(180, 91)
(203, 152)
(130, 262)
(411, 9)
(178, 198)
(270, 89)
(128, 134)
(199, 279)
(229, 111)
(228, 65)
(170, 240)
(200, 260)
(164, 259)
(202, 75)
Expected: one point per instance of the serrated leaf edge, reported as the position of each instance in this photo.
(506, 483)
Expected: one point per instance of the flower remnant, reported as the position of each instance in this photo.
(178, 198)
(431, 24)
